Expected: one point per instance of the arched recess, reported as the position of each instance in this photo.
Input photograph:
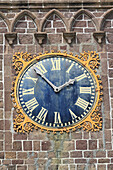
(104, 17)
(87, 13)
(5, 20)
(58, 13)
(20, 15)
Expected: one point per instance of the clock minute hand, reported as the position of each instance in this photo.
(42, 75)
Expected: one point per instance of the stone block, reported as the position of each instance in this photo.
(81, 144)
(109, 38)
(110, 166)
(76, 154)
(10, 155)
(68, 161)
(22, 155)
(80, 24)
(84, 38)
(88, 154)
(101, 167)
(19, 136)
(17, 145)
(55, 38)
(68, 146)
(46, 145)
(37, 135)
(26, 39)
(21, 24)
(100, 154)
(80, 161)
(27, 145)
(36, 145)
(92, 144)
(15, 162)
(103, 160)
(24, 167)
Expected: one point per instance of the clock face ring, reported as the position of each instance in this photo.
(56, 92)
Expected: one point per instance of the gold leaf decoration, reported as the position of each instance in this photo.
(19, 60)
(28, 127)
(91, 58)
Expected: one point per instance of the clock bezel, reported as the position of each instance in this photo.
(23, 123)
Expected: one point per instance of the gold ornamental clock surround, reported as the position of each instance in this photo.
(57, 92)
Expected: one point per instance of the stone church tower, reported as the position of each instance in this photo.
(70, 27)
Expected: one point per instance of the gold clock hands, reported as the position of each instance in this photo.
(42, 75)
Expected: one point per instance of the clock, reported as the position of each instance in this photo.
(56, 92)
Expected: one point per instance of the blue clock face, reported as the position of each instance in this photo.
(56, 91)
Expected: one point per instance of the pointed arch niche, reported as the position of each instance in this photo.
(84, 24)
(54, 24)
(21, 16)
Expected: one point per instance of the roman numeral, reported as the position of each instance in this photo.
(28, 91)
(70, 68)
(82, 103)
(72, 114)
(55, 64)
(30, 78)
(81, 77)
(42, 114)
(41, 68)
(31, 104)
(85, 90)
(57, 117)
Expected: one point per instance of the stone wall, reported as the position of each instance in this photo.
(78, 150)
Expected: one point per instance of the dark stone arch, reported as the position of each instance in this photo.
(104, 17)
(20, 15)
(58, 13)
(87, 13)
(5, 20)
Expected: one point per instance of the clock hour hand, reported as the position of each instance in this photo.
(71, 81)
(42, 75)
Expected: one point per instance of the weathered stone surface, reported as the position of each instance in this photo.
(17, 145)
(26, 39)
(36, 145)
(76, 154)
(46, 145)
(92, 144)
(27, 145)
(10, 155)
(68, 146)
(81, 145)
(110, 38)
(84, 38)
